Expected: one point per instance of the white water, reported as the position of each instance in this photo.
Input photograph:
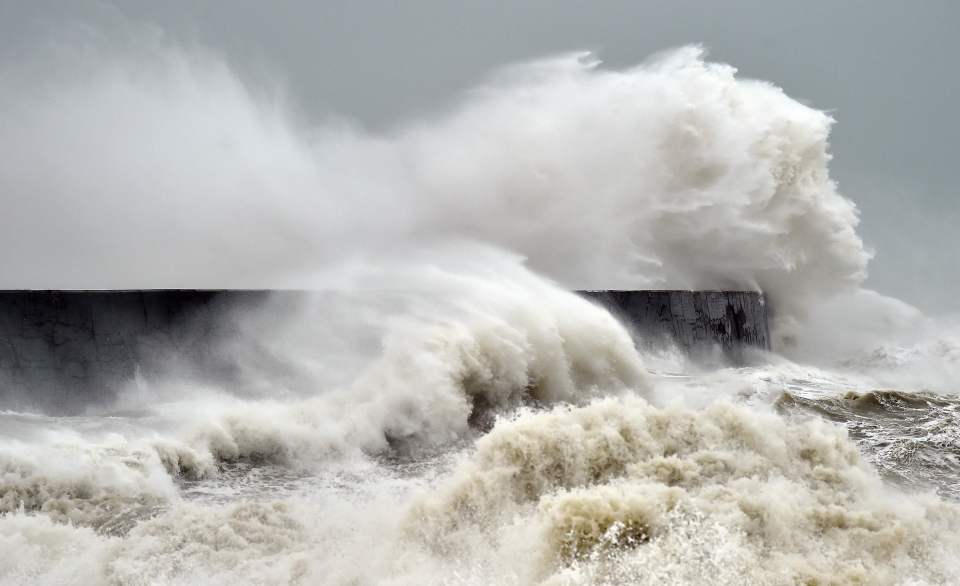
(671, 174)
(349, 458)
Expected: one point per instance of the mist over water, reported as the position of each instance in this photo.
(447, 411)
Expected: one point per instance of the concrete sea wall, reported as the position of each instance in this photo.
(696, 321)
(61, 351)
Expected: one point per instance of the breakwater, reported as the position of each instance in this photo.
(696, 321)
(56, 345)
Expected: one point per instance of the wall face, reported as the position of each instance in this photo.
(63, 351)
(697, 321)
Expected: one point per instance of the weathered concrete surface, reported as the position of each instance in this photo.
(63, 351)
(697, 321)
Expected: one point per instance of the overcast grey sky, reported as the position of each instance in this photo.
(886, 70)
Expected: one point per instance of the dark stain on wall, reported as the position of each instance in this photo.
(698, 322)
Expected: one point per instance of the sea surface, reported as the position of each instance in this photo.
(760, 475)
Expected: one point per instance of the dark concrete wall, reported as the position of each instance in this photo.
(697, 321)
(62, 351)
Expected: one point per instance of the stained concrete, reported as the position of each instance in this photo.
(696, 321)
(62, 351)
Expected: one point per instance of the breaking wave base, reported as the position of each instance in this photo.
(454, 415)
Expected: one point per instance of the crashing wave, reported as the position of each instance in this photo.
(608, 485)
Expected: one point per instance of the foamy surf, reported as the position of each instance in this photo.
(615, 491)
